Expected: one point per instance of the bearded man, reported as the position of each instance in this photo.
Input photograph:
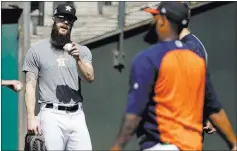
(57, 65)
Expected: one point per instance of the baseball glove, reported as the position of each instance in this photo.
(34, 143)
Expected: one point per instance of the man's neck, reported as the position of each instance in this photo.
(169, 38)
(55, 45)
(184, 33)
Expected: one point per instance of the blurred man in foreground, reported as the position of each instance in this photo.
(167, 85)
(195, 44)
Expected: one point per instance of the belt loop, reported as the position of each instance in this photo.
(55, 106)
(42, 106)
(80, 105)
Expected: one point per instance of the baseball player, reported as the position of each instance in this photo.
(59, 65)
(12, 84)
(166, 95)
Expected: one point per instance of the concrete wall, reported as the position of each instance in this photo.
(105, 99)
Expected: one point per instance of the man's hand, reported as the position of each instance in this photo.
(33, 126)
(208, 127)
(74, 52)
(13, 84)
(85, 67)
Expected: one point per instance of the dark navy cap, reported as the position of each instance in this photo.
(65, 10)
(175, 11)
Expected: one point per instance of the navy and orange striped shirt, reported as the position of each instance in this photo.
(167, 89)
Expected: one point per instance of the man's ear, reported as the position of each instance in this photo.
(162, 20)
(154, 19)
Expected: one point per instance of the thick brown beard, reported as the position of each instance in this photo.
(58, 39)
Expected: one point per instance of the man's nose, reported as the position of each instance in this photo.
(66, 22)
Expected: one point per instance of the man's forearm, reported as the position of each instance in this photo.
(221, 122)
(30, 99)
(5, 83)
(128, 127)
(30, 103)
(86, 70)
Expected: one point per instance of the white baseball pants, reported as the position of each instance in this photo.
(163, 147)
(64, 130)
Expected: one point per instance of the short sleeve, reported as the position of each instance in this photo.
(142, 77)
(211, 104)
(85, 53)
(31, 62)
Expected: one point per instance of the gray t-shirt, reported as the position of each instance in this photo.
(58, 75)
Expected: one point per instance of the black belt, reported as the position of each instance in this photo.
(64, 108)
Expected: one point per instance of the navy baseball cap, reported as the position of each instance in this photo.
(65, 10)
(175, 11)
